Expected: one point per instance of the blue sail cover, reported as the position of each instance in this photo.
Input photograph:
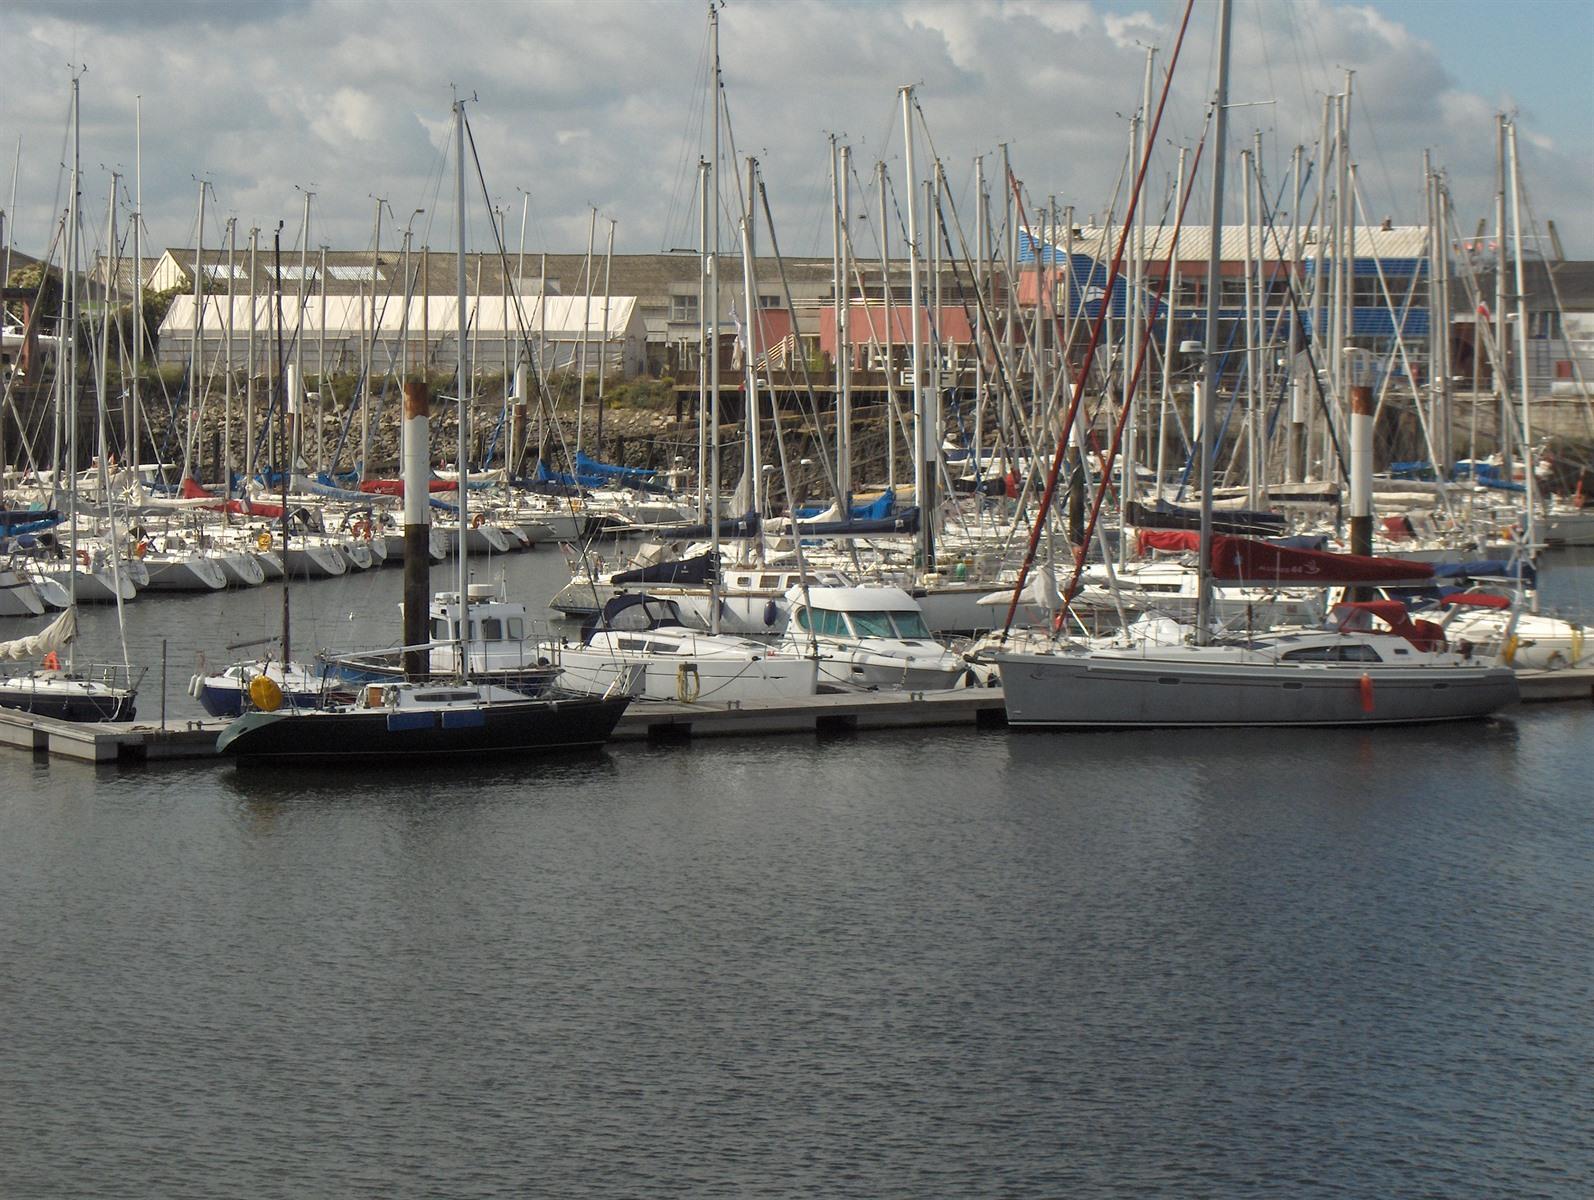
(590, 473)
(905, 521)
(591, 466)
(26, 520)
(870, 510)
(1485, 568)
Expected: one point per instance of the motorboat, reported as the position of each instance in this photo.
(869, 637)
(642, 643)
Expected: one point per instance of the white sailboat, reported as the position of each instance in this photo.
(1343, 674)
(56, 688)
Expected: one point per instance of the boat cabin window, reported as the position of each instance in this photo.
(872, 624)
(1352, 652)
(492, 629)
(825, 622)
(517, 629)
(910, 625)
(439, 629)
(769, 581)
(443, 697)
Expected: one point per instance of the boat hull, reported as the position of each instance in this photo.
(358, 736)
(1084, 691)
(704, 680)
(66, 699)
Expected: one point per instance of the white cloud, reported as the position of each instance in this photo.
(578, 106)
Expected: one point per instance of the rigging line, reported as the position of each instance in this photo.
(1050, 492)
(1306, 341)
(1129, 395)
(802, 359)
(1359, 97)
(547, 407)
(1560, 306)
(691, 135)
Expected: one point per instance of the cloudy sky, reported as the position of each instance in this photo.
(592, 103)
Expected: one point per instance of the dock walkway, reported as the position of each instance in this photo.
(647, 721)
(650, 721)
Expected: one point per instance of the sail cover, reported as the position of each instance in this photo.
(51, 638)
(246, 507)
(700, 569)
(1240, 560)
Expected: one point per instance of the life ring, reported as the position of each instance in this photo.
(362, 529)
(476, 521)
(83, 558)
(688, 685)
(50, 662)
(140, 550)
(263, 540)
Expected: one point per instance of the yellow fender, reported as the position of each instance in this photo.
(264, 693)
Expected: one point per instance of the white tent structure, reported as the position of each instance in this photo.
(561, 332)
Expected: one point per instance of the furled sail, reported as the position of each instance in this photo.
(52, 638)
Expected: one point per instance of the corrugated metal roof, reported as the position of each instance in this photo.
(565, 316)
(1371, 241)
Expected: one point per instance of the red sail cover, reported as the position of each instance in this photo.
(395, 487)
(1240, 560)
(1172, 541)
(247, 508)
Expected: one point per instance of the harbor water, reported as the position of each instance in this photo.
(943, 963)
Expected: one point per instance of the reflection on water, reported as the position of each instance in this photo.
(949, 963)
(945, 963)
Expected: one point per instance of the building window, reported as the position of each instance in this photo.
(683, 308)
(1544, 325)
(770, 302)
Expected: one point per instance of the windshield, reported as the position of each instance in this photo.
(910, 625)
(872, 624)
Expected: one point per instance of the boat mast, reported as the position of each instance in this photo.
(102, 451)
(226, 409)
(249, 369)
(921, 474)
(193, 344)
(603, 348)
(586, 327)
(282, 441)
(132, 421)
(714, 326)
(462, 626)
(703, 297)
(888, 307)
(1209, 364)
(68, 332)
(1530, 528)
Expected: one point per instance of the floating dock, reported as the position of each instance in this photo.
(846, 712)
(643, 721)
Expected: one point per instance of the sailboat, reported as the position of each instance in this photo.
(420, 718)
(1345, 673)
(55, 688)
